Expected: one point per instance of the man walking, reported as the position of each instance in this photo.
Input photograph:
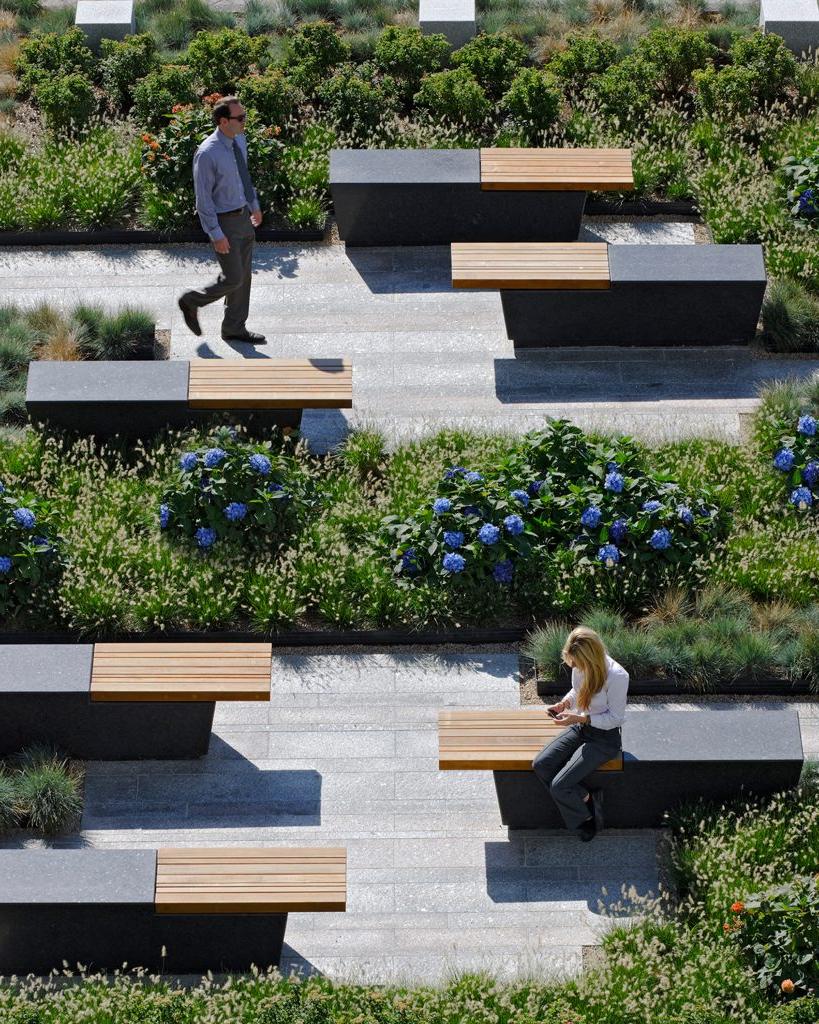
(229, 210)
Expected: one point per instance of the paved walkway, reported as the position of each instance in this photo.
(346, 754)
(424, 355)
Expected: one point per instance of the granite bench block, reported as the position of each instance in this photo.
(454, 19)
(670, 758)
(434, 197)
(45, 698)
(105, 19)
(131, 397)
(659, 295)
(796, 21)
(96, 907)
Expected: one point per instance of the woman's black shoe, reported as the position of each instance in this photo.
(588, 830)
(597, 807)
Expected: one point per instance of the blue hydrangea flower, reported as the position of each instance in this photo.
(612, 467)
(660, 539)
(453, 538)
(259, 463)
(5, 565)
(806, 425)
(273, 486)
(609, 555)
(591, 517)
(783, 460)
(235, 511)
(205, 537)
(802, 498)
(24, 517)
(213, 456)
(441, 505)
(164, 516)
(614, 482)
(42, 542)
(536, 486)
(408, 560)
(503, 571)
(619, 530)
(473, 477)
(471, 510)
(808, 202)
(488, 534)
(2, 488)
(188, 461)
(521, 496)
(652, 506)
(453, 562)
(454, 471)
(685, 514)
(810, 474)
(513, 525)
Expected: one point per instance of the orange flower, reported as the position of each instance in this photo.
(277, 130)
(154, 145)
(787, 986)
(146, 137)
(738, 907)
(726, 927)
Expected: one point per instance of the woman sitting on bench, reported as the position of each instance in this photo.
(594, 710)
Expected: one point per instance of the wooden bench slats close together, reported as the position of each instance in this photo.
(565, 170)
(270, 384)
(250, 881)
(497, 740)
(536, 265)
(181, 671)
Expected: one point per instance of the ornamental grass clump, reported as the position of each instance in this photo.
(233, 489)
(30, 560)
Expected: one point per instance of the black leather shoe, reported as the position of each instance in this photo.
(588, 830)
(249, 336)
(191, 317)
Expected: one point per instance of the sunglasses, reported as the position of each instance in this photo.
(237, 117)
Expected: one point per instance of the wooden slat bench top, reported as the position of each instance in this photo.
(181, 671)
(565, 170)
(250, 881)
(270, 384)
(538, 265)
(497, 740)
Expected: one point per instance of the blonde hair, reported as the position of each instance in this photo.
(588, 653)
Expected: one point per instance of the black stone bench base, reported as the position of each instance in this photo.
(434, 197)
(659, 295)
(671, 758)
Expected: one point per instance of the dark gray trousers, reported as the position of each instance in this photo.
(568, 760)
(233, 282)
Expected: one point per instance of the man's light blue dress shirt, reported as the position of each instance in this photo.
(217, 183)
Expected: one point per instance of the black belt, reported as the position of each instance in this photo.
(228, 213)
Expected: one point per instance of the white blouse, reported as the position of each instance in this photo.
(607, 708)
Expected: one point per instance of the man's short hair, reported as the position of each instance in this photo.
(222, 108)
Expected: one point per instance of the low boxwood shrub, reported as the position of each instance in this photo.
(797, 458)
(314, 49)
(625, 90)
(234, 490)
(46, 56)
(790, 317)
(455, 97)
(271, 95)
(156, 95)
(354, 102)
(773, 66)
(30, 559)
(493, 60)
(533, 100)
(406, 54)
(221, 59)
(586, 54)
(124, 62)
(674, 54)
(67, 102)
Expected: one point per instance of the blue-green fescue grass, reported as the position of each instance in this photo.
(40, 791)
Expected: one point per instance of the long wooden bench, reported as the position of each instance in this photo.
(134, 397)
(438, 196)
(669, 757)
(178, 910)
(591, 293)
(122, 701)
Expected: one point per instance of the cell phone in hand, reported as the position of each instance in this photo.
(551, 713)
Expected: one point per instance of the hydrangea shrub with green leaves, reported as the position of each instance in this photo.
(232, 489)
(557, 492)
(29, 552)
(798, 460)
